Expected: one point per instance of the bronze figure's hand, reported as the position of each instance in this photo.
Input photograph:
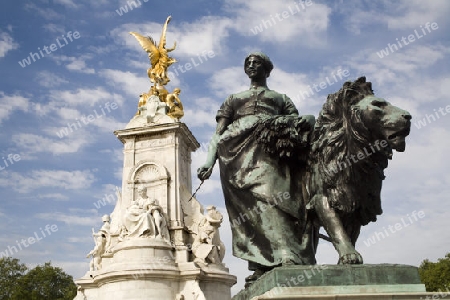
(204, 172)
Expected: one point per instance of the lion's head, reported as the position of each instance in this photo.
(352, 141)
(382, 120)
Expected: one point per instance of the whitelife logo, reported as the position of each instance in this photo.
(391, 48)
(53, 47)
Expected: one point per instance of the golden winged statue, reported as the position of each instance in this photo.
(158, 55)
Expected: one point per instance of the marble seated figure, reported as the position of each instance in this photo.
(145, 218)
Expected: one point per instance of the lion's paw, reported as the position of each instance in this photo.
(353, 258)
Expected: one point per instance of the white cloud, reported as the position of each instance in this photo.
(420, 234)
(56, 196)
(359, 16)
(203, 113)
(118, 173)
(407, 14)
(37, 179)
(399, 77)
(102, 50)
(106, 124)
(229, 81)
(7, 43)
(31, 143)
(46, 13)
(41, 109)
(66, 3)
(130, 83)
(75, 269)
(77, 240)
(82, 97)
(295, 86)
(411, 58)
(88, 219)
(77, 64)
(204, 34)
(281, 21)
(76, 111)
(49, 79)
(303, 26)
(9, 104)
(68, 113)
(54, 28)
(430, 142)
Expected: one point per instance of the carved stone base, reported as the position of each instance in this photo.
(146, 269)
(384, 281)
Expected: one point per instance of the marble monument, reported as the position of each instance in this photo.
(157, 243)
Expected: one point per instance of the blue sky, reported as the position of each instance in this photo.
(50, 179)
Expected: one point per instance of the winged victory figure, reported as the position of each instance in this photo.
(158, 55)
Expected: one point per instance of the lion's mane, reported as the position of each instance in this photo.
(338, 133)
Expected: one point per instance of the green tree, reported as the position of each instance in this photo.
(436, 276)
(45, 283)
(41, 283)
(11, 270)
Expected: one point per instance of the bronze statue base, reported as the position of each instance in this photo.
(345, 281)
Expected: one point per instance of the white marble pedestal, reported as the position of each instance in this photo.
(147, 269)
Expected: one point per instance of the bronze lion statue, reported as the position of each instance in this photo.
(340, 159)
(351, 143)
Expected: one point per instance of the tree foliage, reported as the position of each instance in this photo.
(40, 283)
(11, 270)
(436, 275)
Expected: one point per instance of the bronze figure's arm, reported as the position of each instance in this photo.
(204, 172)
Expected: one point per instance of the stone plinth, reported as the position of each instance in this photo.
(136, 269)
(147, 269)
(158, 157)
(384, 281)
